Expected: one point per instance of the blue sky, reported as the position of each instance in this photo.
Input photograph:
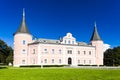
(54, 18)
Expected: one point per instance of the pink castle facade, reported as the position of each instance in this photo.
(66, 51)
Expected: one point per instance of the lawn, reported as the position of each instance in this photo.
(59, 74)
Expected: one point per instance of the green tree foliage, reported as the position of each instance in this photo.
(112, 57)
(6, 53)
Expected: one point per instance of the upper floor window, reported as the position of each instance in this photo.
(60, 51)
(89, 52)
(45, 50)
(23, 42)
(23, 51)
(78, 52)
(84, 52)
(33, 51)
(69, 42)
(69, 51)
(65, 41)
(72, 42)
(53, 50)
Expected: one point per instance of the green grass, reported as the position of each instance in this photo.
(59, 74)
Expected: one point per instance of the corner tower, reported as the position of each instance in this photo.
(98, 43)
(21, 39)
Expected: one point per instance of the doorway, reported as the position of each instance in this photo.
(69, 61)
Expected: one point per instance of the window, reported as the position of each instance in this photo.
(60, 51)
(89, 52)
(69, 51)
(78, 52)
(23, 61)
(33, 61)
(52, 60)
(69, 42)
(23, 42)
(84, 61)
(65, 41)
(89, 61)
(53, 50)
(72, 42)
(33, 51)
(45, 50)
(60, 61)
(23, 51)
(45, 60)
(78, 61)
(84, 53)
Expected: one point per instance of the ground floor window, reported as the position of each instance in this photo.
(45, 60)
(78, 61)
(60, 61)
(33, 61)
(23, 61)
(52, 60)
(89, 61)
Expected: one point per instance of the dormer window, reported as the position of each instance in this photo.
(65, 41)
(69, 42)
(72, 42)
(69, 39)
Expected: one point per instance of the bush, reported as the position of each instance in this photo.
(43, 65)
(3, 67)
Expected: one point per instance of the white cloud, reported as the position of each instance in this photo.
(106, 46)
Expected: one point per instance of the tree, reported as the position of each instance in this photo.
(9, 59)
(5, 52)
(112, 57)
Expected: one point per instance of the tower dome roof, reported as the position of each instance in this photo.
(23, 27)
(95, 35)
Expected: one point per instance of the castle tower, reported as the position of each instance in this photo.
(21, 39)
(98, 43)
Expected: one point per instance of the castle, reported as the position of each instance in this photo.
(65, 51)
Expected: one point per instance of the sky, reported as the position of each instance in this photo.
(52, 19)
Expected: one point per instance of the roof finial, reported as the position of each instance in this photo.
(23, 12)
(95, 23)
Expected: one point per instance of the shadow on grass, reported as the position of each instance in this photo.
(3, 67)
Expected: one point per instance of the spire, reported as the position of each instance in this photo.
(23, 12)
(95, 35)
(23, 27)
